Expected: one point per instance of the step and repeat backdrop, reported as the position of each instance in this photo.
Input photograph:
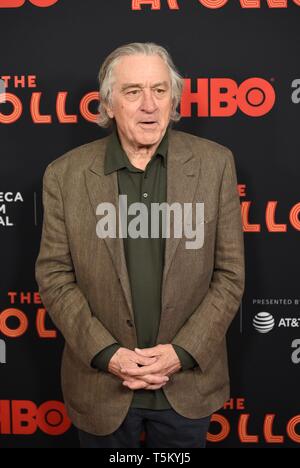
(241, 63)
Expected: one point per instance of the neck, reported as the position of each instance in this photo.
(139, 155)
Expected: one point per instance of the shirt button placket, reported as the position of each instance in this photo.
(145, 193)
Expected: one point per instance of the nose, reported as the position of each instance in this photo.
(148, 101)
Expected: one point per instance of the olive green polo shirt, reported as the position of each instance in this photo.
(144, 257)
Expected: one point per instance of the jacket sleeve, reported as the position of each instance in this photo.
(204, 331)
(101, 360)
(61, 295)
(186, 360)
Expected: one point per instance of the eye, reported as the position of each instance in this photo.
(133, 92)
(160, 90)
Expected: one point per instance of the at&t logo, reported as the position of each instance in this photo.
(263, 322)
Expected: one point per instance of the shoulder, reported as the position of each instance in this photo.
(201, 147)
(79, 158)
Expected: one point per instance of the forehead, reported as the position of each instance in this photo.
(141, 69)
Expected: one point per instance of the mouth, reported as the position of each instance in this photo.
(148, 124)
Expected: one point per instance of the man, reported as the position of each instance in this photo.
(144, 317)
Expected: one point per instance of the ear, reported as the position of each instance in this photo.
(109, 111)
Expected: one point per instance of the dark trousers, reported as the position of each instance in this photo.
(163, 429)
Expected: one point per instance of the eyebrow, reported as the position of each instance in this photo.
(140, 85)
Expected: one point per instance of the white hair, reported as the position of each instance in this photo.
(106, 77)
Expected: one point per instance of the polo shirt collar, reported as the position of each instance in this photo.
(116, 158)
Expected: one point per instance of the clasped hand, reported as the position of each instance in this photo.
(147, 368)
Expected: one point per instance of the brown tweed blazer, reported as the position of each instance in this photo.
(84, 284)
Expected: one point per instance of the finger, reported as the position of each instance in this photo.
(139, 371)
(147, 351)
(127, 378)
(135, 385)
(154, 387)
(155, 378)
(145, 360)
(128, 368)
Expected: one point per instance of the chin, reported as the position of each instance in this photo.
(148, 141)
(149, 137)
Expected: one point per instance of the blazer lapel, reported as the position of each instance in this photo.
(104, 188)
(182, 180)
(183, 174)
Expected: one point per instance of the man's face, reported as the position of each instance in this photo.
(141, 99)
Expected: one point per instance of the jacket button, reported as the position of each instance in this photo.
(129, 323)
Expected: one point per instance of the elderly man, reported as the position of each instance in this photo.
(144, 317)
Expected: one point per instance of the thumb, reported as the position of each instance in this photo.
(149, 352)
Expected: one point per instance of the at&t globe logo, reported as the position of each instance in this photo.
(263, 322)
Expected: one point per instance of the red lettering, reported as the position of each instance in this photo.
(5, 420)
(52, 418)
(60, 109)
(254, 97)
(16, 112)
(270, 215)
(224, 429)
(41, 325)
(268, 431)
(155, 4)
(294, 216)
(213, 4)
(245, 208)
(13, 332)
(243, 430)
(227, 97)
(291, 429)
(35, 112)
(20, 3)
(84, 106)
(43, 3)
(24, 414)
(200, 97)
(270, 218)
(11, 3)
(23, 417)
